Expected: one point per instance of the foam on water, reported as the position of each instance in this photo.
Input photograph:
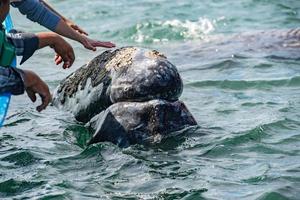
(169, 30)
(193, 29)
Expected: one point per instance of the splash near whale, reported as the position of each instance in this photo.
(127, 96)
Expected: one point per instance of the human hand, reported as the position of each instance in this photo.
(64, 52)
(92, 44)
(65, 30)
(63, 49)
(35, 85)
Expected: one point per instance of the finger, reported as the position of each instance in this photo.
(90, 47)
(46, 98)
(67, 61)
(72, 57)
(88, 44)
(42, 106)
(31, 95)
(59, 60)
(71, 61)
(104, 44)
(109, 45)
(56, 59)
(66, 64)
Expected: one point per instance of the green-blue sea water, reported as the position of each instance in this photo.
(244, 97)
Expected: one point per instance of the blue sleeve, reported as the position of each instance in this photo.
(38, 12)
(11, 80)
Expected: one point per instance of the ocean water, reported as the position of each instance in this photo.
(240, 83)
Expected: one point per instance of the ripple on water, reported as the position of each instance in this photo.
(21, 158)
(13, 187)
(243, 92)
(247, 84)
(274, 195)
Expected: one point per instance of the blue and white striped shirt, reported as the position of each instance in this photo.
(11, 79)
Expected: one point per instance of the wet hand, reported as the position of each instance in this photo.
(35, 85)
(92, 44)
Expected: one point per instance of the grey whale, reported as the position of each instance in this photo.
(127, 96)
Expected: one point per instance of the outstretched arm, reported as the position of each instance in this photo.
(27, 43)
(38, 12)
(69, 22)
(63, 29)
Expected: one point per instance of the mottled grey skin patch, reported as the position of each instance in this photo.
(149, 76)
(126, 74)
(126, 123)
(135, 91)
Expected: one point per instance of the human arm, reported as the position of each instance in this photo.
(63, 29)
(68, 22)
(36, 11)
(16, 81)
(69, 29)
(27, 43)
(4, 9)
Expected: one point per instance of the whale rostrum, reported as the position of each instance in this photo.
(126, 96)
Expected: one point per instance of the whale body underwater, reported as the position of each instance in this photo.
(127, 96)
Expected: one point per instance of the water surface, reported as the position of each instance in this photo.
(245, 98)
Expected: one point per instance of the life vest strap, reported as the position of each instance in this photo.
(7, 50)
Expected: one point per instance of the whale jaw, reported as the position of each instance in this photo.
(127, 123)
